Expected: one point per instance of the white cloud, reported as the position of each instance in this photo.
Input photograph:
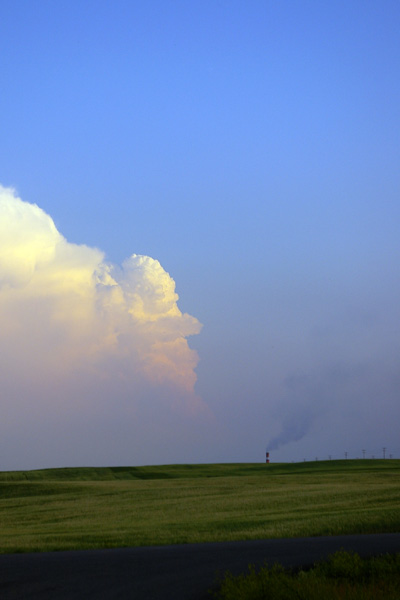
(71, 321)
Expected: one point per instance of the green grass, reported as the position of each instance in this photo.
(81, 508)
(344, 576)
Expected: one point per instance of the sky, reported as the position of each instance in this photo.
(199, 231)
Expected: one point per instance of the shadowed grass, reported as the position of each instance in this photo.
(58, 509)
(343, 576)
(206, 470)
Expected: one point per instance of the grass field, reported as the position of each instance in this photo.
(81, 508)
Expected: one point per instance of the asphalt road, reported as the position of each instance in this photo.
(184, 572)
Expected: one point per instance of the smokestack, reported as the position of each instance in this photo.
(267, 458)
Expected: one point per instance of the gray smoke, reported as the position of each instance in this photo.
(294, 428)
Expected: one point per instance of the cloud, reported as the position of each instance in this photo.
(72, 323)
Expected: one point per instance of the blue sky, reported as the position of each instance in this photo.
(252, 148)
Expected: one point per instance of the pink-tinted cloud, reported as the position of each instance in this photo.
(74, 326)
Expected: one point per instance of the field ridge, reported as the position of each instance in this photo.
(178, 471)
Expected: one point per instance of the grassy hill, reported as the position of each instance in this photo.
(71, 508)
(198, 470)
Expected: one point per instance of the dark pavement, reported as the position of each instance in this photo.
(184, 572)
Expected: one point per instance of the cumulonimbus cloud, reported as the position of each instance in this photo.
(65, 312)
